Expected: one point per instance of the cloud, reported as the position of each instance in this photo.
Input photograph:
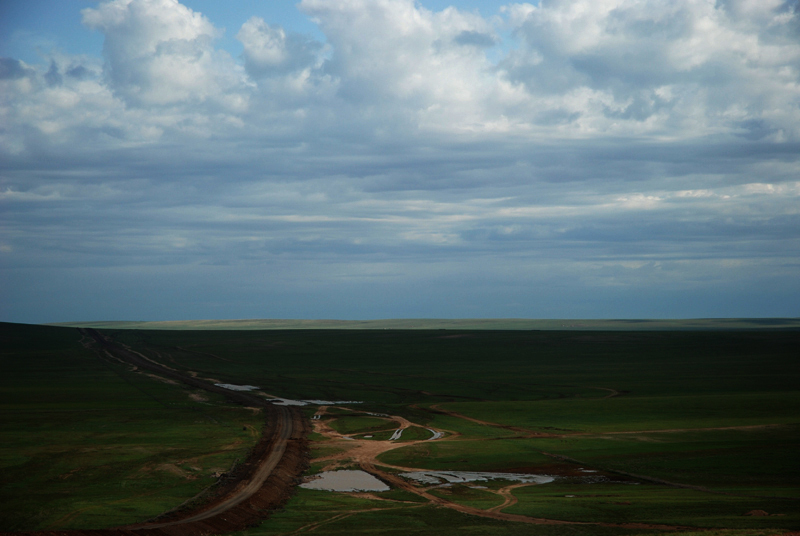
(11, 69)
(583, 70)
(53, 76)
(690, 67)
(268, 49)
(394, 51)
(160, 52)
(477, 39)
(621, 145)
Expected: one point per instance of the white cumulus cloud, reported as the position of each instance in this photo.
(398, 54)
(160, 52)
(682, 68)
(268, 49)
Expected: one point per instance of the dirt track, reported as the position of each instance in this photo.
(365, 452)
(530, 433)
(261, 484)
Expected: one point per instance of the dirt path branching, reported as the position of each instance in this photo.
(364, 453)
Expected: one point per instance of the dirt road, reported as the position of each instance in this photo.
(364, 452)
(263, 483)
(263, 470)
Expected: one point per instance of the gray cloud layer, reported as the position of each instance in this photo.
(622, 159)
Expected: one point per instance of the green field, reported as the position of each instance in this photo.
(687, 427)
(87, 443)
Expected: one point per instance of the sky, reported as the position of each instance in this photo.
(363, 159)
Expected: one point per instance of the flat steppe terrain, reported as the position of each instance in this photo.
(643, 430)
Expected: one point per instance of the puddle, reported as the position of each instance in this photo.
(232, 387)
(346, 480)
(442, 477)
(290, 402)
(436, 435)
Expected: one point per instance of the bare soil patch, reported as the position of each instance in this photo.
(364, 453)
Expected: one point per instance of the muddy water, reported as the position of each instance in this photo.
(290, 402)
(232, 387)
(346, 481)
(436, 435)
(447, 477)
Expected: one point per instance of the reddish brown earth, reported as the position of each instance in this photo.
(263, 483)
(364, 452)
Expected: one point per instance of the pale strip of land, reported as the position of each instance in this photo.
(456, 324)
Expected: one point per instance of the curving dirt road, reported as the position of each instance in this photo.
(263, 470)
(365, 452)
(509, 499)
(436, 408)
(263, 483)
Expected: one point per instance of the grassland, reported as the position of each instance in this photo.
(85, 442)
(688, 428)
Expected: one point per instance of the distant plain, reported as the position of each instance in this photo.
(461, 324)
